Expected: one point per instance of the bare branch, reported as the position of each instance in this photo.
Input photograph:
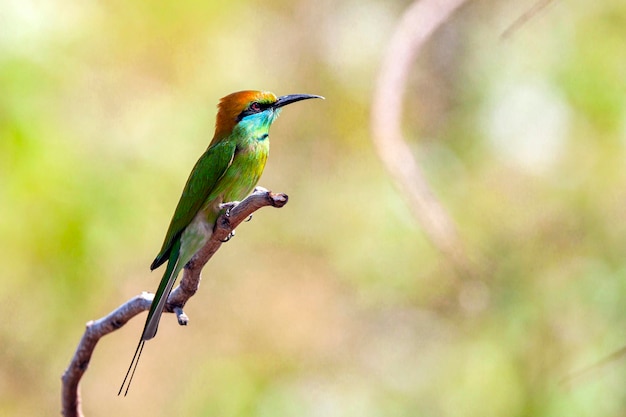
(95, 330)
(417, 25)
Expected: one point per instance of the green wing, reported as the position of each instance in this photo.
(203, 178)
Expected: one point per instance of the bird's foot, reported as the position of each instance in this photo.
(229, 237)
(228, 206)
(248, 219)
(259, 189)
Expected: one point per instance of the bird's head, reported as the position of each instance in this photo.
(251, 109)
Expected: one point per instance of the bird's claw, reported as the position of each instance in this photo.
(248, 219)
(229, 237)
(228, 206)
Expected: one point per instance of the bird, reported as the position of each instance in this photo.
(226, 172)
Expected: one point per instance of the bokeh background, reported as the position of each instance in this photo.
(336, 304)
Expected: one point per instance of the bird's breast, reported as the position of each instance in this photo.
(243, 173)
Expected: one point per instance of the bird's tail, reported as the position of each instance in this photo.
(162, 293)
(154, 315)
(133, 367)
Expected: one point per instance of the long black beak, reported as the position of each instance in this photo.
(292, 98)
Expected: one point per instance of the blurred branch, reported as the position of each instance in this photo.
(572, 378)
(70, 397)
(525, 17)
(417, 25)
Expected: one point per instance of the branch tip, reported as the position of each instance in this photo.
(278, 200)
(182, 318)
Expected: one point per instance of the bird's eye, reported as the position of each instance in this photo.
(255, 106)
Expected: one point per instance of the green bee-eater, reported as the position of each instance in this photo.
(228, 171)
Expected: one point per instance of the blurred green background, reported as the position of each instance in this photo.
(335, 305)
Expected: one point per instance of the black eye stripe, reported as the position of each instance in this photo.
(254, 107)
